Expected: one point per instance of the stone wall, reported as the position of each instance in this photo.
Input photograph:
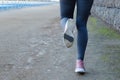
(109, 11)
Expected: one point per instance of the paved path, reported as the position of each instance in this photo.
(31, 48)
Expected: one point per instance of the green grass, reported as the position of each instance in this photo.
(102, 29)
(111, 50)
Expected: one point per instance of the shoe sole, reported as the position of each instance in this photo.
(81, 71)
(69, 38)
(68, 34)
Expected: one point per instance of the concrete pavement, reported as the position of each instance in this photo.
(31, 48)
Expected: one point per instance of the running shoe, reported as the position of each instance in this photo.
(69, 33)
(80, 67)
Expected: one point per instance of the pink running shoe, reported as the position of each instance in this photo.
(80, 67)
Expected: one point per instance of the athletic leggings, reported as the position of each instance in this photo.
(83, 12)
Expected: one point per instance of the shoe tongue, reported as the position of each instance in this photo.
(80, 64)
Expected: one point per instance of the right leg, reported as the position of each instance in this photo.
(67, 10)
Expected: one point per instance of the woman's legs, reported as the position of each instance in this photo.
(83, 12)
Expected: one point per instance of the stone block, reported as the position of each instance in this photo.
(117, 3)
(117, 19)
(105, 3)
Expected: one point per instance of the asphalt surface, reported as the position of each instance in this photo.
(31, 48)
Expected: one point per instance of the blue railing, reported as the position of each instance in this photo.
(9, 6)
